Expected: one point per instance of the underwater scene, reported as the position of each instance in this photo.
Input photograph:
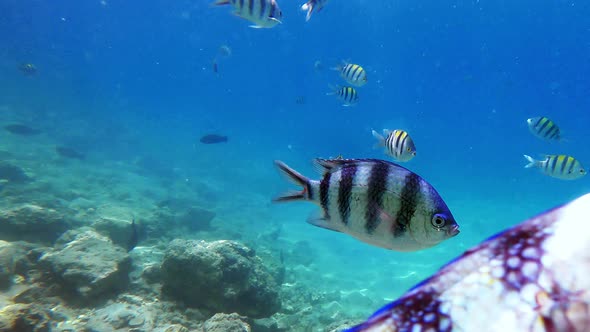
(283, 165)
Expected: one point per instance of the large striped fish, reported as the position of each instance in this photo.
(530, 278)
(263, 13)
(375, 201)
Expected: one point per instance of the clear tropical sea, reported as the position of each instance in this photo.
(132, 87)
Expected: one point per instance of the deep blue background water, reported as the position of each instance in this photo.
(461, 76)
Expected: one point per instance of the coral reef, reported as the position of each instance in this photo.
(220, 275)
(25, 318)
(33, 223)
(89, 265)
(226, 323)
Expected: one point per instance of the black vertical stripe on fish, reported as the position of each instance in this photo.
(324, 194)
(262, 9)
(403, 144)
(272, 9)
(571, 168)
(538, 121)
(347, 69)
(408, 201)
(397, 142)
(240, 5)
(550, 132)
(250, 7)
(546, 164)
(565, 160)
(356, 73)
(345, 191)
(375, 189)
(545, 124)
(553, 163)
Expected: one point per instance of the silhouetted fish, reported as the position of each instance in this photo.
(20, 129)
(28, 69)
(214, 66)
(531, 277)
(134, 238)
(69, 153)
(213, 139)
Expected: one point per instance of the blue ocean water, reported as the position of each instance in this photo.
(122, 80)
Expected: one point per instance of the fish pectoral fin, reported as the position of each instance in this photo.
(275, 20)
(384, 216)
(319, 220)
(388, 219)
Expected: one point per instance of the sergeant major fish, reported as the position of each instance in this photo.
(353, 74)
(558, 166)
(397, 143)
(346, 94)
(263, 13)
(312, 5)
(543, 128)
(530, 278)
(375, 201)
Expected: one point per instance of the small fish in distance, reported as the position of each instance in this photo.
(20, 129)
(544, 128)
(224, 51)
(352, 73)
(532, 277)
(134, 237)
(28, 69)
(375, 201)
(69, 153)
(398, 144)
(311, 6)
(263, 13)
(346, 94)
(213, 139)
(214, 66)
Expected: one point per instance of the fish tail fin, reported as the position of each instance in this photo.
(308, 6)
(296, 178)
(380, 139)
(333, 89)
(532, 162)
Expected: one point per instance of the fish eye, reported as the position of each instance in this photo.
(582, 171)
(438, 221)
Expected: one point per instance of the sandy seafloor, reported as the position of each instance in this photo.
(330, 280)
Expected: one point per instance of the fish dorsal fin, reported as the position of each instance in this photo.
(331, 165)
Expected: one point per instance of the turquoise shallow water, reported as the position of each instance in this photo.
(132, 88)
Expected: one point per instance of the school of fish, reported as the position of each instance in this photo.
(562, 167)
(523, 279)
